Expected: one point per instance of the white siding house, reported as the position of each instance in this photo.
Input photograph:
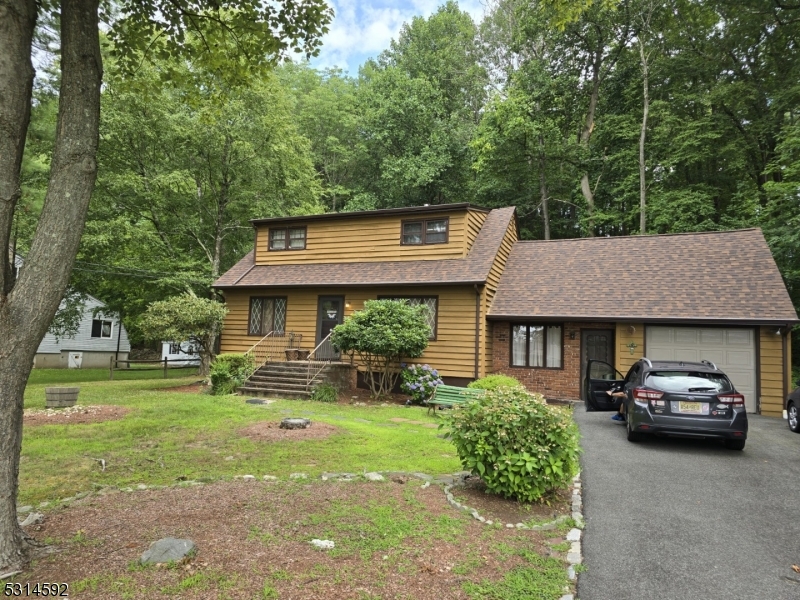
(99, 337)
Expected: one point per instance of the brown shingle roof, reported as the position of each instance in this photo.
(472, 269)
(727, 276)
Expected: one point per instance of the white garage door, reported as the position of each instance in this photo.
(732, 350)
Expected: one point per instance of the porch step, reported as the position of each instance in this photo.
(268, 392)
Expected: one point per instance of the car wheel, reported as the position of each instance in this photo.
(633, 436)
(734, 444)
(794, 417)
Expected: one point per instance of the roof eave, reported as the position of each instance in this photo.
(643, 319)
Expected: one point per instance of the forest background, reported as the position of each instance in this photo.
(612, 117)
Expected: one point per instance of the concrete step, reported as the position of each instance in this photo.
(277, 383)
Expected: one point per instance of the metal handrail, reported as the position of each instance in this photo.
(253, 347)
(313, 363)
(271, 348)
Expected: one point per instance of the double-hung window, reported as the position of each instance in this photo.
(432, 302)
(287, 238)
(102, 329)
(428, 231)
(266, 314)
(536, 345)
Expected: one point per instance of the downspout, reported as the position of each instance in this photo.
(784, 342)
(477, 331)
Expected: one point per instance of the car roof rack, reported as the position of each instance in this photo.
(710, 364)
(648, 361)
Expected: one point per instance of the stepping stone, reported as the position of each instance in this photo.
(167, 550)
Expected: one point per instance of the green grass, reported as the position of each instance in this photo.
(540, 578)
(170, 436)
(72, 376)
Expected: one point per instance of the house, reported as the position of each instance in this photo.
(534, 310)
(99, 338)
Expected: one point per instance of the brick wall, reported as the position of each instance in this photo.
(555, 384)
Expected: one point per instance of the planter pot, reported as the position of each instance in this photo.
(291, 353)
(303, 354)
(61, 397)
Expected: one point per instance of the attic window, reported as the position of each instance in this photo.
(430, 231)
(102, 329)
(287, 238)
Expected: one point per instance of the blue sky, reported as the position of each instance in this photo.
(363, 28)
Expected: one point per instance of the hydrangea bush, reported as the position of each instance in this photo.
(519, 445)
(419, 382)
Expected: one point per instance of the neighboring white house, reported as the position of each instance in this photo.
(180, 354)
(99, 337)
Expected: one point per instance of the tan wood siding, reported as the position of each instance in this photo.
(452, 353)
(490, 289)
(771, 372)
(624, 359)
(364, 240)
(475, 221)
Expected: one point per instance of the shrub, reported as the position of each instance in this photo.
(325, 392)
(519, 445)
(419, 382)
(229, 371)
(492, 382)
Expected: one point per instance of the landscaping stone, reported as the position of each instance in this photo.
(32, 518)
(24, 510)
(423, 476)
(270, 478)
(295, 423)
(248, 477)
(141, 486)
(374, 477)
(574, 535)
(167, 550)
(298, 476)
(323, 544)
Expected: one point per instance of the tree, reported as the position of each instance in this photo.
(261, 33)
(382, 335)
(186, 318)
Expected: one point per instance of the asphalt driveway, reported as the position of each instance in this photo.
(677, 519)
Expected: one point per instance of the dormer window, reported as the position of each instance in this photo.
(429, 231)
(287, 238)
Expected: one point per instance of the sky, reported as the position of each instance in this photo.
(363, 28)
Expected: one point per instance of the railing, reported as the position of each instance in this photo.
(272, 347)
(162, 364)
(319, 358)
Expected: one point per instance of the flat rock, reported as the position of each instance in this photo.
(298, 476)
(24, 510)
(323, 544)
(574, 535)
(167, 550)
(374, 477)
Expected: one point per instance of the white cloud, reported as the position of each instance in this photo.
(364, 29)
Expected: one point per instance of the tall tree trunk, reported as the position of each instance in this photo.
(588, 129)
(17, 22)
(26, 311)
(643, 134)
(543, 189)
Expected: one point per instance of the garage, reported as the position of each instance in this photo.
(733, 350)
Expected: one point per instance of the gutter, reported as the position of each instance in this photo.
(477, 331)
(785, 331)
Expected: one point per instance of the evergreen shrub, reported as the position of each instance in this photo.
(229, 371)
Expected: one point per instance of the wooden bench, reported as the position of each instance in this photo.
(450, 395)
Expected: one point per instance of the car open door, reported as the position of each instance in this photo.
(600, 378)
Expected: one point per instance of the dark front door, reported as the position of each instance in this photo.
(596, 344)
(329, 314)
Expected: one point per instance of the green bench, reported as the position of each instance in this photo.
(450, 395)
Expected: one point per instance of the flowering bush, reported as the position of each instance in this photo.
(519, 445)
(492, 382)
(419, 382)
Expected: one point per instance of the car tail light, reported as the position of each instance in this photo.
(735, 399)
(643, 394)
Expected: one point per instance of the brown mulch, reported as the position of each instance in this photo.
(475, 495)
(270, 431)
(192, 388)
(360, 395)
(75, 415)
(253, 541)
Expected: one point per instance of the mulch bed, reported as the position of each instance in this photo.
(253, 542)
(75, 415)
(475, 495)
(270, 431)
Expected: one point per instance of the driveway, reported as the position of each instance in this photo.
(672, 519)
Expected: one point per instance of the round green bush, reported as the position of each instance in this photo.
(229, 371)
(492, 382)
(518, 444)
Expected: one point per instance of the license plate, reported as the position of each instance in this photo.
(693, 408)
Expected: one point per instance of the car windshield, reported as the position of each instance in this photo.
(689, 381)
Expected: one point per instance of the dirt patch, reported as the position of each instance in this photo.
(75, 415)
(192, 388)
(360, 395)
(475, 495)
(270, 431)
(253, 542)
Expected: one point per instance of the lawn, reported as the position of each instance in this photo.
(397, 538)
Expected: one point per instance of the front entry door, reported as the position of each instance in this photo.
(329, 314)
(596, 344)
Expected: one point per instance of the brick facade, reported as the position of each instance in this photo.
(554, 384)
